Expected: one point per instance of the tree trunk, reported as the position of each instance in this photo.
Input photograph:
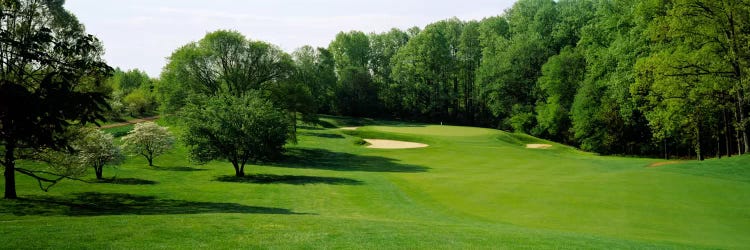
(10, 171)
(150, 161)
(726, 134)
(732, 37)
(742, 121)
(737, 132)
(238, 172)
(98, 171)
(294, 127)
(242, 168)
(698, 143)
(456, 100)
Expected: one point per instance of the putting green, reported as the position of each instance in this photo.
(436, 130)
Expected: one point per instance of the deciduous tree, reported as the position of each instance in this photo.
(149, 140)
(239, 129)
(96, 148)
(50, 77)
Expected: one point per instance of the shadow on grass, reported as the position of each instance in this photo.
(98, 204)
(329, 160)
(323, 135)
(288, 179)
(309, 127)
(126, 181)
(325, 124)
(177, 169)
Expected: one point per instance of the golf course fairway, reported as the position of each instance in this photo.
(470, 188)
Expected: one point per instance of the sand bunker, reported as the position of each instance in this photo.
(349, 128)
(538, 146)
(389, 144)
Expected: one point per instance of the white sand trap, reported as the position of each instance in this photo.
(389, 144)
(538, 146)
(349, 128)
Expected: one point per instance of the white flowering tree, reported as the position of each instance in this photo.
(96, 149)
(149, 140)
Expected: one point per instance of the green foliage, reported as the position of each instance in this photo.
(245, 129)
(561, 77)
(50, 78)
(223, 62)
(148, 140)
(356, 94)
(383, 47)
(96, 148)
(297, 99)
(139, 102)
(119, 131)
(314, 69)
(131, 94)
(508, 75)
(521, 119)
(422, 67)
(694, 77)
(350, 49)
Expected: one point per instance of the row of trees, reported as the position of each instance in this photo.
(611, 76)
(95, 149)
(648, 77)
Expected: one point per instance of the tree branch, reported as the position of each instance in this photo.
(41, 179)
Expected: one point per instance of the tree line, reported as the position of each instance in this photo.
(648, 77)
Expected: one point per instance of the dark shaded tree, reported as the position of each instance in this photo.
(50, 77)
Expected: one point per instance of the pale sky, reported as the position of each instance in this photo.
(143, 33)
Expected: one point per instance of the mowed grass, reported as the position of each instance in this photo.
(471, 188)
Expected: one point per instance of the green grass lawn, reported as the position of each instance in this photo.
(471, 188)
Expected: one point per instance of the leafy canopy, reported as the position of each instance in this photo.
(149, 140)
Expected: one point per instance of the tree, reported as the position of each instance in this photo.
(223, 62)
(314, 69)
(139, 102)
(50, 78)
(383, 47)
(561, 77)
(239, 129)
(508, 76)
(423, 68)
(296, 99)
(356, 94)
(96, 148)
(350, 49)
(712, 37)
(132, 92)
(149, 140)
(470, 57)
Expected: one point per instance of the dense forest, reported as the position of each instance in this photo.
(648, 77)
